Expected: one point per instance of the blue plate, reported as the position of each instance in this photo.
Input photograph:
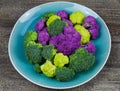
(27, 22)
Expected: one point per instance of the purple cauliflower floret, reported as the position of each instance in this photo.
(53, 41)
(62, 14)
(76, 36)
(61, 37)
(95, 26)
(92, 26)
(69, 45)
(45, 29)
(68, 22)
(86, 25)
(94, 30)
(40, 25)
(94, 33)
(68, 42)
(69, 30)
(90, 19)
(43, 37)
(57, 40)
(90, 47)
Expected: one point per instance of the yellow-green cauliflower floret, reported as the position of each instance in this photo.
(51, 19)
(48, 69)
(60, 60)
(85, 35)
(30, 36)
(77, 17)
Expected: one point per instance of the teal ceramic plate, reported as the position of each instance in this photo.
(27, 21)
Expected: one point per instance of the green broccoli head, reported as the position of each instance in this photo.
(30, 36)
(47, 15)
(77, 17)
(48, 69)
(48, 52)
(37, 68)
(60, 60)
(33, 53)
(56, 27)
(81, 60)
(64, 74)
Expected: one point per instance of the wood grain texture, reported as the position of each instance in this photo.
(107, 80)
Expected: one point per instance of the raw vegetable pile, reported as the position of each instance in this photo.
(60, 46)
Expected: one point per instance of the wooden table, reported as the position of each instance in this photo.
(107, 80)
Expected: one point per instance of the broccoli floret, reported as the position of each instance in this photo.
(30, 36)
(82, 60)
(85, 35)
(47, 15)
(56, 27)
(48, 52)
(77, 17)
(48, 69)
(34, 53)
(60, 60)
(64, 74)
(51, 19)
(37, 68)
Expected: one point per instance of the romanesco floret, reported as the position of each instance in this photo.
(60, 60)
(51, 19)
(56, 27)
(48, 69)
(34, 53)
(64, 74)
(30, 36)
(47, 15)
(81, 60)
(85, 35)
(48, 52)
(77, 17)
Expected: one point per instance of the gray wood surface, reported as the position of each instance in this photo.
(107, 80)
